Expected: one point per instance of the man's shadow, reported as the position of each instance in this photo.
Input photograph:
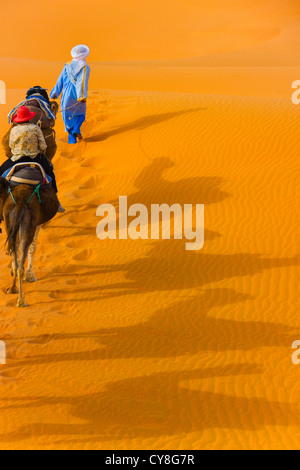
(140, 124)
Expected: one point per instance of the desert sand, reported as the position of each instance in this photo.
(141, 344)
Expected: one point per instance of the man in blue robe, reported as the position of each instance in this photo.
(73, 84)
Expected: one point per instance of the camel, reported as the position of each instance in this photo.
(49, 134)
(23, 215)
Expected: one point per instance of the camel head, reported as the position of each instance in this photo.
(3, 195)
(54, 107)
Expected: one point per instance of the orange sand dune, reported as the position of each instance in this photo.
(149, 30)
(131, 344)
(141, 344)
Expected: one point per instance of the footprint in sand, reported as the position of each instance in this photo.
(74, 244)
(11, 374)
(92, 163)
(74, 219)
(85, 255)
(92, 182)
(42, 339)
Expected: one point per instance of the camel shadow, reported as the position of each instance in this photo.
(167, 267)
(186, 326)
(153, 188)
(163, 404)
(140, 124)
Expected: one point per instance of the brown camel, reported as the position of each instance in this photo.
(49, 134)
(23, 217)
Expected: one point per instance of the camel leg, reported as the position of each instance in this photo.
(13, 266)
(26, 237)
(14, 270)
(21, 302)
(21, 272)
(30, 276)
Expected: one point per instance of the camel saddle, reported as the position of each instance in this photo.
(29, 173)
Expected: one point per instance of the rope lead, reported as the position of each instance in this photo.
(11, 195)
(37, 192)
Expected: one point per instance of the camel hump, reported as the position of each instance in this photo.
(41, 118)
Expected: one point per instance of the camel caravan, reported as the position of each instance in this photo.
(28, 191)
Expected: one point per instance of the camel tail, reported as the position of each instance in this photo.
(15, 223)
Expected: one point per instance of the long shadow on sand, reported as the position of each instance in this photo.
(153, 188)
(168, 267)
(141, 123)
(186, 326)
(165, 403)
(154, 406)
